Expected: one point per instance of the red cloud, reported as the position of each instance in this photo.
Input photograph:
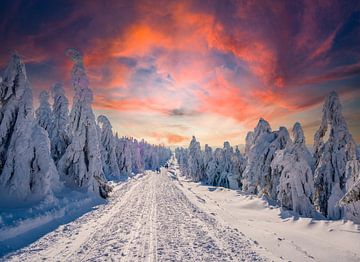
(171, 138)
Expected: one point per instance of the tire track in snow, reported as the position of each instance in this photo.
(149, 219)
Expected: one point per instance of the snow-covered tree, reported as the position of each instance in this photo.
(219, 175)
(43, 113)
(123, 154)
(248, 142)
(257, 174)
(137, 163)
(59, 135)
(81, 165)
(108, 147)
(195, 161)
(181, 155)
(27, 171)
(237, 168)
(351, 200)
(208, 158)
(292, 177)
(331, 157)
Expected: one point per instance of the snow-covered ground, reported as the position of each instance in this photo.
(278, 234)
(146, 219)
(164, 217)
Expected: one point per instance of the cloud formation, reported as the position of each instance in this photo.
(181, 60)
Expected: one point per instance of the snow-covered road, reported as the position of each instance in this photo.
(146, 219)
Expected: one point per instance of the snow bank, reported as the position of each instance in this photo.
(22, 226)
(279, 234)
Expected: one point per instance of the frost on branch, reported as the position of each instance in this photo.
(293, 184)
(108, 146)
(27, 171)
(81, 165)
(331, 157)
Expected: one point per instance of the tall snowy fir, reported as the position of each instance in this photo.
(81, 166)
(43, 113)
(293, 182)
(123, 154)
(331, 157)
(195, 161)
(59, 135)
(237, 168)
(27, 171)
(108, 147)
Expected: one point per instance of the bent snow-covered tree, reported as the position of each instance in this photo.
(27, 171)
(59, 135)
(292, 175)
(81, 165)
(331, 157)
(108, 146)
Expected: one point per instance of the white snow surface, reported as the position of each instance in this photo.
(147, 219)
(166, 217)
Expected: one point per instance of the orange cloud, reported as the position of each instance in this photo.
(171, 138)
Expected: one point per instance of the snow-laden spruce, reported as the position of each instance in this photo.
(81, 166)
(108, 148)
(123, 155)
(257, 174)
(224, 166)
(237, 168)
(195, 161)
(331, 157)
(208, 162)
(351, 200)
(292, 176)
(44, 113)
(59, 135)
(27, 171)
(137, 162)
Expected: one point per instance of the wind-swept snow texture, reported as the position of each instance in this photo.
(331, 157)
(27, 171)
(81, 166)
(146, 219)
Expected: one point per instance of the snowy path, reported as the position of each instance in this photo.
(148, 219)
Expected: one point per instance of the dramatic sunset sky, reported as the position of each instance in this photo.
(167, 70)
